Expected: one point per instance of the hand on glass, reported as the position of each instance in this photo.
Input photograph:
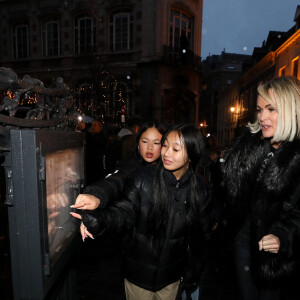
(86, 201)
(83, 230)
(269, 243)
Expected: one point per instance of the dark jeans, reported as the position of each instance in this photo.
(248, 289)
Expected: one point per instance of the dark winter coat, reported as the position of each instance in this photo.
(109, 189)
(270, 197)
(179, 250)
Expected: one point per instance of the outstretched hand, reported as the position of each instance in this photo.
(83, 230)
(86, 201)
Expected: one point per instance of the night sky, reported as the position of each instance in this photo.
(240, 25)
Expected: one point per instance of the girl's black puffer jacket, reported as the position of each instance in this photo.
(181, 253)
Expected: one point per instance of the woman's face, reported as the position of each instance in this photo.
(267, 116)
(149, 145)
(174, 155)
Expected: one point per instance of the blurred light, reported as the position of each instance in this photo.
(79, 118)
(201, 124)
(232, 108)
(208, 135)
(183, 50)
(128, 77)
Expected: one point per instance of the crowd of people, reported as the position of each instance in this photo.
(183, 207)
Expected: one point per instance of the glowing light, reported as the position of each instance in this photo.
(232, 108)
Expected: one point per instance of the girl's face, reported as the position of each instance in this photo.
(174, 155)
(267, 116)
(149, 145)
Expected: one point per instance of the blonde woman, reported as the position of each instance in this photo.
(262, 175)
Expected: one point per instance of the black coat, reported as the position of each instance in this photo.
(272, 203)
(109, 189)
(141, 266)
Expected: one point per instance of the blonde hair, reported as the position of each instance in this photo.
(286, 91)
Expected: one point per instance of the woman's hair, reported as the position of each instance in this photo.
(286, 91)
(161, 201)
(144, 127)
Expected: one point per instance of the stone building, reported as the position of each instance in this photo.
(139, 55)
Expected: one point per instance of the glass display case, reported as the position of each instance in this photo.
(44, 174)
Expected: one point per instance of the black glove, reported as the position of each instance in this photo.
(90, 220)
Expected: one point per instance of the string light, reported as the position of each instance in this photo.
(111, 97)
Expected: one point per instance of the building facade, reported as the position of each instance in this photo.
(237, 105)
(219, 73)
(139, 55)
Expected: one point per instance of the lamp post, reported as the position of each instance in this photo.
(235, 120)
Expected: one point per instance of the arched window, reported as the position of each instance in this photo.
(20, 41)
(121, 30)
(181, 30)
(85, 34)
(51, 38)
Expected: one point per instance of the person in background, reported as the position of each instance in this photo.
(132, 128)
(262, 178)
(165, 210)
(95, 149)
(122, 146)
(80, 126)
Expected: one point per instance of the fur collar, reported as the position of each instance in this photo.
(244, 160)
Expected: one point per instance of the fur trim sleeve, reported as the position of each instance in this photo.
(243, 160)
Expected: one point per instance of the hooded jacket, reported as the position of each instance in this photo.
(265, 188)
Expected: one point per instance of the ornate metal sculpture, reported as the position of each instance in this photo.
(54, 107)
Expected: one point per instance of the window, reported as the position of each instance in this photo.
(282, 71)
(181, 31)
(51, 39)
(20, 41)
(121, 31)
(295, 64)
(85, 35)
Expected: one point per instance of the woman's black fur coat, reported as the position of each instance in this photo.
(272, 203)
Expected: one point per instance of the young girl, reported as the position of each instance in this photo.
(148, 146)
(167, 209)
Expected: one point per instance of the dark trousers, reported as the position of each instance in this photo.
(248, 289)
